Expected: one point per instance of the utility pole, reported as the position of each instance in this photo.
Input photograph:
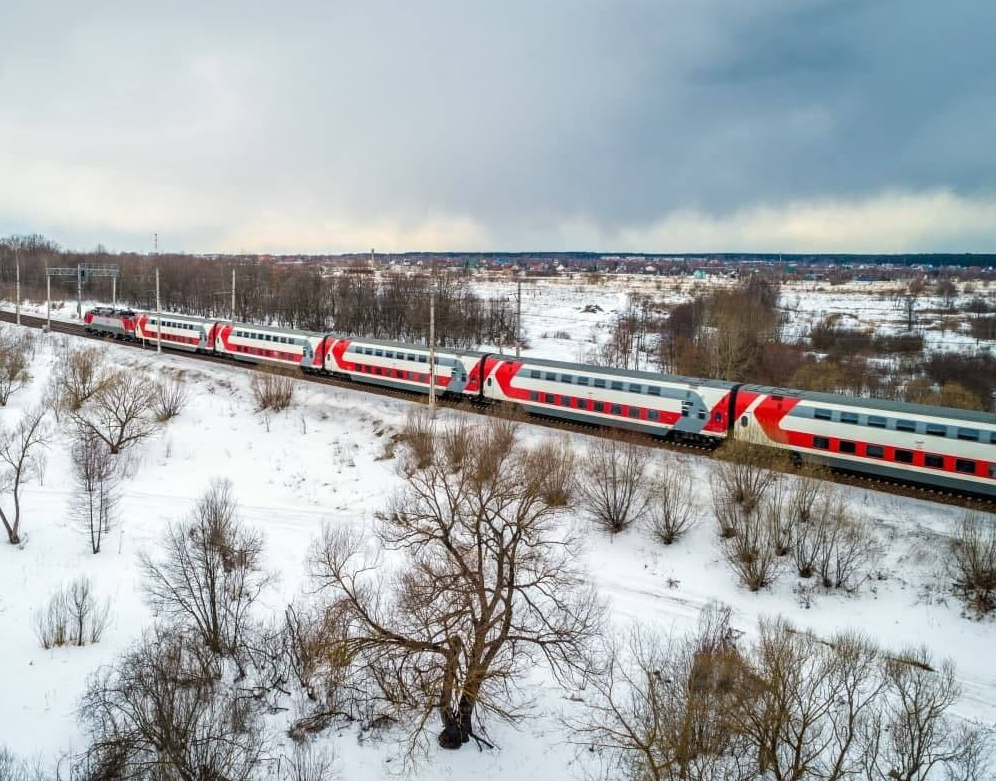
(159, 322)
(233, 293)
(114, 292)
(17, 285)
(432, 353)
(79, 292)
(518, 317)
(48, 302)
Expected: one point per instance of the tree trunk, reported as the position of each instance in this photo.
(457, 724)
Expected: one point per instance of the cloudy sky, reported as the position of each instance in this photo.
(651, 125)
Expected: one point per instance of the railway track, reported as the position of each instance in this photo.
(883, 485)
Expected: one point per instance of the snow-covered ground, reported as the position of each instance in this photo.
(323, 462)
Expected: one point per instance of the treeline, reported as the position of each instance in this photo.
(299, 295)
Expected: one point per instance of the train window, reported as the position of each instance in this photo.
(743, 421)
(822, 414)
(489, 382)
(905, 425)
(565, 401)
(702, 414)
(653, 414)
(874, 451)
(904, 456)
(633, 412)
(379, 353)
(551, 377)
(599, 406)
(821, 442)
(582, 380)
(549, 398)
(653, 390)
(934, 462)
(617, 386)
(599, 383)
(992, 471)
(876, 422)
(846, 447)
(534, 374)
(566, 378)
(936, 430)
(616, 409)
(965, 466)
(422, 359)
(968, 434)
(533, 396)
(635, 388)
(848, 417)
(388, 353)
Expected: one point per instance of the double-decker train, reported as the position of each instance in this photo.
(933, 446)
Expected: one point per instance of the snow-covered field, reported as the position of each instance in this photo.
(323, 462)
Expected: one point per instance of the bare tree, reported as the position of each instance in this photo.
(163, 712)
(170, 397)
(673, 508)
(121, 411)
(741, 475)
(612, 483)
(73, 616)
(662, 708)
(79, 374)
(915, 732)
(752, 548)
(211, 573)
(97, 476)
(13, 365)
(490, 584)
(827, 540)
(972, 561)
(19, 460)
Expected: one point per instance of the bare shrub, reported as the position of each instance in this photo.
(14, 349)
(120, 411)
(308, 763)
(672, 508)
(661, 708)
(418, 435)
(14, 769)
(756, 536)
(611, 485)
(272, 388)
(170, 397)
(972, 561)
(79, 374)
(20, 460)
(742, 473)
(210, 575)
(97, 476)
(828, 541)
(487, 585)
(163, 712)
(73, 616)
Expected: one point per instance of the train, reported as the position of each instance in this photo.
(936, 447)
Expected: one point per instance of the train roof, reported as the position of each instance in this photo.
(973, 416)
(629, 373)
(410, 346)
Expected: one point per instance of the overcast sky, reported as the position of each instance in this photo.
(649, 125)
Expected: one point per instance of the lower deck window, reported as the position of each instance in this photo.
(846, 447)
(616, 409)
(634, 412)
(965, 466)
(904, 456)
(821, 442)
(934, 462)
(653, 414)
(874, 451)
(599, 406)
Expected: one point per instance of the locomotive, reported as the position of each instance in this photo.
(938, 447)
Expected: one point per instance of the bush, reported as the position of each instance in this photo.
(612, 483)
(972, 561)
(672, 510)
(752, 546)
(169, 399)
(73, 617)
(272, 388)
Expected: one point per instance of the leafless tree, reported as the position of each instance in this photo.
(612, 483)
(14, 769)
(309, 763)
(661, 708)
(20, 460)
(163, 712)
(915, 733)
(673, 508)
(210, 574)
(97, 476)
(741, 475)
(170, 397)
(79, 374)
(752, 548)
(121, 412)
(73, 616)
(827, 540)
(272, 388)
(490, 584)
(972, 561)
(13, 364)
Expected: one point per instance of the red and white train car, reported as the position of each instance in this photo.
(948, 448)
(262, 344)
(182, 332)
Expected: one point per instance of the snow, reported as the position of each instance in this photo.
(323, 462)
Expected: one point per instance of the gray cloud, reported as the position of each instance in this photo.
(562, 124)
